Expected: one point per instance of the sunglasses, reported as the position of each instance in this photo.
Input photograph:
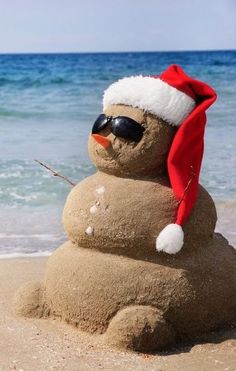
(121, 126)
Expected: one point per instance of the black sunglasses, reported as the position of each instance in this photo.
(121, 126)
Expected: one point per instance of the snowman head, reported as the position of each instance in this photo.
(141, 115)
(128, 141)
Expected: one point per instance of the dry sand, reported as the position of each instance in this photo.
(30, 344)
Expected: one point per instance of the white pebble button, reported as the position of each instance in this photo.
(89, 231)
(93, 209)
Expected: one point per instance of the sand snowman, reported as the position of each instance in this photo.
(143, 266)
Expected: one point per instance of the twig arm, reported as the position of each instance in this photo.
(56, 173)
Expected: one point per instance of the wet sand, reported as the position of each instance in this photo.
(39, 344)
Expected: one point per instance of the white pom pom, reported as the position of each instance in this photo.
(171, 239)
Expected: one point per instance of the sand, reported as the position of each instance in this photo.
(30, 344)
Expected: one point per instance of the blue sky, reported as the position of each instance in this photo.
(116, 25)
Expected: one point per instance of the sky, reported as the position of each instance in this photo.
(116, 25)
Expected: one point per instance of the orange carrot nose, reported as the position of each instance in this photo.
(105, 142)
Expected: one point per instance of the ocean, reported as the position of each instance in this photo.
(48, 103)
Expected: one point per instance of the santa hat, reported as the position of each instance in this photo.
(181, 101)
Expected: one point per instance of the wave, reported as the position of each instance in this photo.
(41, 237)
(26, 82)
(13, 235)
(35, 116)
(25, 198)
(38, 254)
(23, 114)
(16, 174)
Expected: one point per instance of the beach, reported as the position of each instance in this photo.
(49, 104)
(47, 344)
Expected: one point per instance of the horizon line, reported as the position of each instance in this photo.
(118, 52)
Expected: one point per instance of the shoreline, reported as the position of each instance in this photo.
(39, 344)
(45, 240)
(230, 236)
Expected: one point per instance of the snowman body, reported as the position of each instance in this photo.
(125, 215)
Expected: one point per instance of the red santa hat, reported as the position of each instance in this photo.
(181, 101)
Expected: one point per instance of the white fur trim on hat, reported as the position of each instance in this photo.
(152, 95)
(170, 239)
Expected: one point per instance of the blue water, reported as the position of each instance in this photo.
(47, 106)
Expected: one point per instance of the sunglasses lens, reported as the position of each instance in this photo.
(99, 124)
(127, 128)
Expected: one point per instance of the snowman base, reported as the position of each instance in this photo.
(135, 304)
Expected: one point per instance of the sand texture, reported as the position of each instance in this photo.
(46, 344)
